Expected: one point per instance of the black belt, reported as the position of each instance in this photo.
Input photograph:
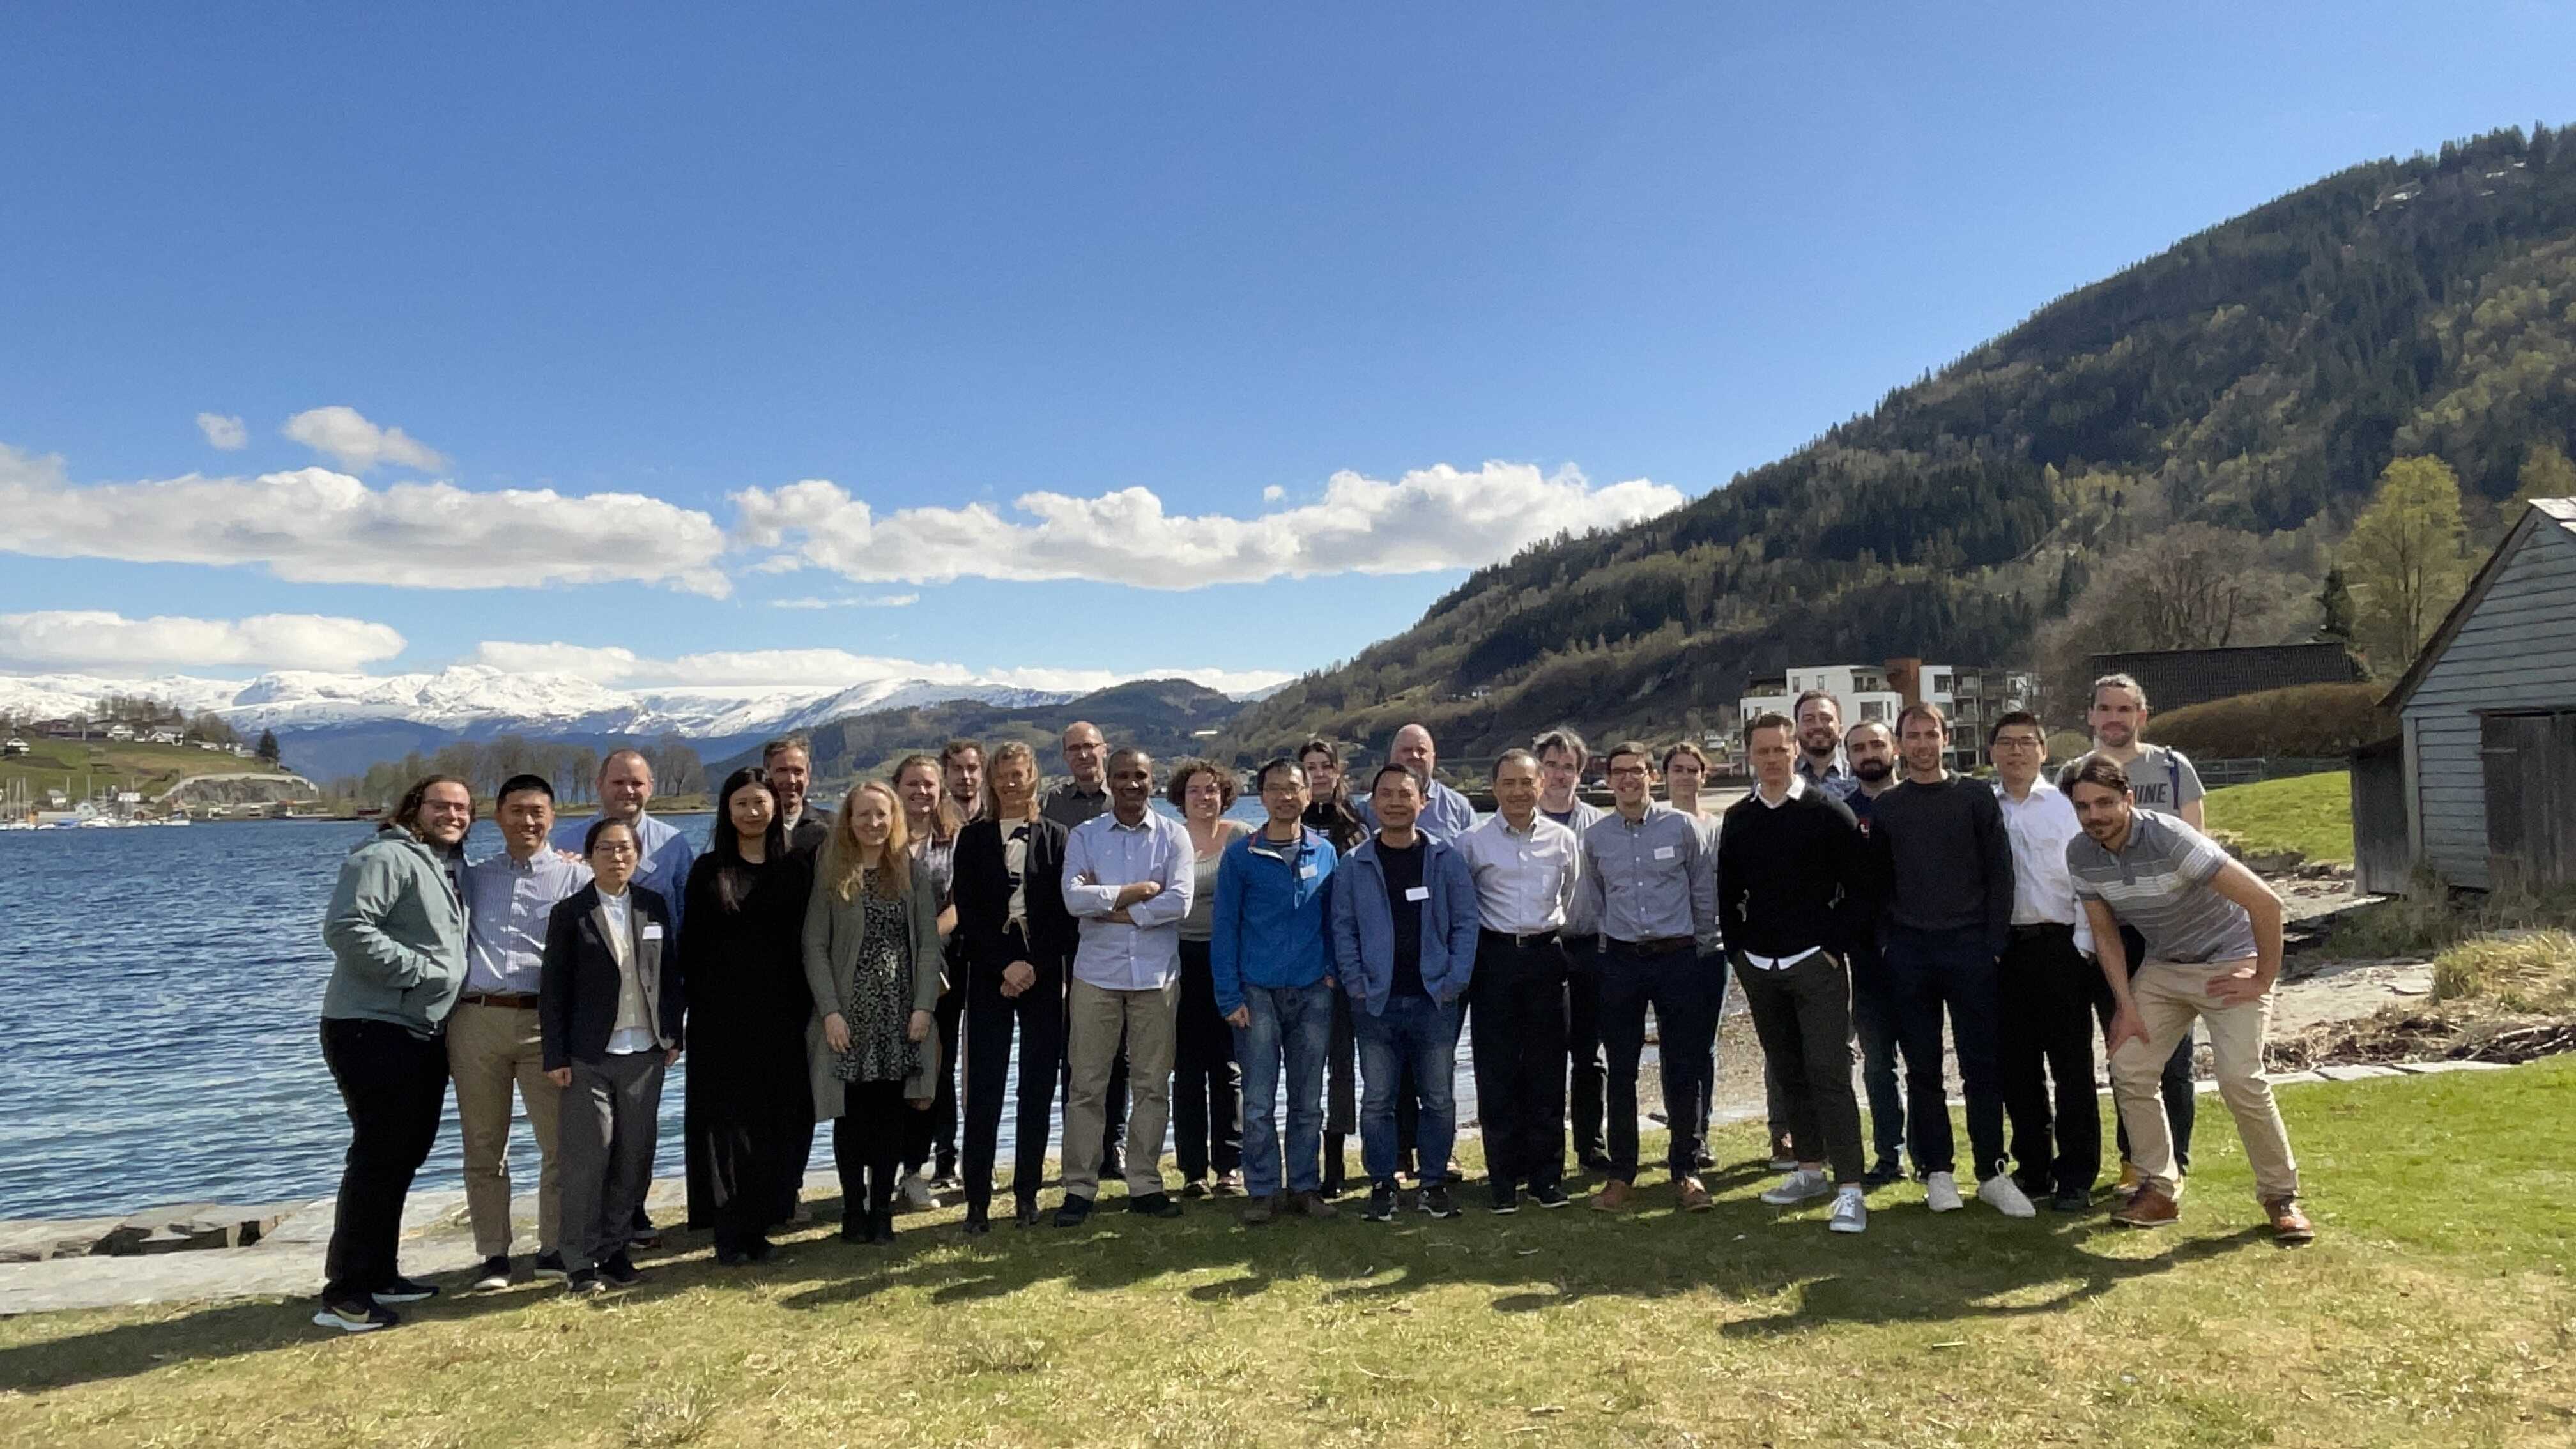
(1523, 941)
(2037, 929)
(1655, 945)
(508, 1000)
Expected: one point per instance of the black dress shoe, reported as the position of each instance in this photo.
(1596, 1162)
(1029, 1214)
(2072, 1200)
(1881, 1173)
(619, 1270)
(1154, 1205)
(759, 1249)
(978, 1224)
(1071, 1212)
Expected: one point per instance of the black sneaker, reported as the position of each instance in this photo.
(1703, 1159)
(1029, 1214)
(1882, 1173)
(404, 1290)
(1507, 1199)
(1548, 1195)
(619, 1270)
(584, 1280)
(493, 1276)
(1381, 1204)
(2072, 1200)
(355, 1315)
(1154, 1205)
(978, 1223)
(550, 1268)
(1597, 1162)
(1071, 1212)
(1436, 1202)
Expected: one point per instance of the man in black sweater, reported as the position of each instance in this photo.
(1946, 863)
(1789, 859)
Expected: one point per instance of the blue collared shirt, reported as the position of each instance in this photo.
(662, 863)
(1143, 953)
(1649, 878)
(506, 907)
(1835, 779)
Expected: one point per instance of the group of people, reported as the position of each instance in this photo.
(1263, 992)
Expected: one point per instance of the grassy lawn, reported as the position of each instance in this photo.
(126, 766)
(2311, 814)
(2436, 1309)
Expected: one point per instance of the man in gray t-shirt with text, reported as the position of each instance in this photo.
(2213, 951)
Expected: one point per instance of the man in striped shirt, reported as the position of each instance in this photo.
(2213, 953)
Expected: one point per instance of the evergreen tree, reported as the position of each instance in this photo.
(268, 746)
(2334, 601)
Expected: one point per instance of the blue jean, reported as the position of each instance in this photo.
(1416, 1032)
(1874, 1023)
(1291, 1029)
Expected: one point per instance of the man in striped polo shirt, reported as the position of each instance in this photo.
(2213, 953)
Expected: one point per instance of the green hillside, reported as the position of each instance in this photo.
(75, 765)
(2253, 380)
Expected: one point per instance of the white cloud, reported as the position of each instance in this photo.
(1273, 493)
(312, 525)
(344, 436)
(1431, 518)
(828, 668)
(96, 639)
(225, 433)
(850, 601)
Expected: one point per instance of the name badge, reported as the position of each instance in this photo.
(1417, 893)
(1307, 871)
(1663, 852)
(652, 931)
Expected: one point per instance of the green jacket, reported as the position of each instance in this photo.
(397, 936)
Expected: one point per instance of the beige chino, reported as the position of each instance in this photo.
(2170, 996)
(490, 1048)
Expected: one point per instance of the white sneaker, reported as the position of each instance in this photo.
(2005, 1196)
(915, 1191)
(1941, 1192)
(1800, 1186)
(1851, 1214)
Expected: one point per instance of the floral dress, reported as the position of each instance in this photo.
(879, 1007)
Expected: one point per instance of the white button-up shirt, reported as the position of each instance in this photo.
(1525, 880)
(2040, 824)
(1143, 953)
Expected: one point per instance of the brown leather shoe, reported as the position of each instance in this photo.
(2288, 1223)
(1315, 1205)
(1694, 1196)
(1613, 1197)
(2149, 1209)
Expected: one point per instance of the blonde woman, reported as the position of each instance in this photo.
(930, 822)
(872, 961)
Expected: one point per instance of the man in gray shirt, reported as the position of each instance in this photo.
(493, 1041)
(2213, 954)
(1653, 888)
(1083, 796)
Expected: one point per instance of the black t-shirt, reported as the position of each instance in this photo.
(1403, 875)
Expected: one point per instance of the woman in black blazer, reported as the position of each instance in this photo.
(1017, 952)
(608, 1013)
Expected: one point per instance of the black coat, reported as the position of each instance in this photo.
(980, 888)
(748, 1112)
(577, 992)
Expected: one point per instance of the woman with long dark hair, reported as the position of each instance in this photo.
(871, 949)
(749, 1106)
(1018, 938)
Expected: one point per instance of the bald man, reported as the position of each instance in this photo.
(1446, 815)
(1085, 791)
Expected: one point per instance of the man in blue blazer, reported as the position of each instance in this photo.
(1404, 945)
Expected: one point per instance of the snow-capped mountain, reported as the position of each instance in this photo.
(478, 699)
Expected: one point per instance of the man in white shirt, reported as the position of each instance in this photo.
(1526, 868)
(2049, 982)
(1127, 881)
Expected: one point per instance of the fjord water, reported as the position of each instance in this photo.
(160, 992)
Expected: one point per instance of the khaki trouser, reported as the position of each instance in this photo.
(488, 1049)
(2170, 996)
(1095, 1015)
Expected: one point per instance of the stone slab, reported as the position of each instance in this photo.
(2357, 1072)
(37, 1240)
(2283, 1079)
(2434, 1068)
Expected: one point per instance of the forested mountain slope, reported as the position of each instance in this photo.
(2254, 378)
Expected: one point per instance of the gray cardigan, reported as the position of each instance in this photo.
(834, 929)
(397, 936)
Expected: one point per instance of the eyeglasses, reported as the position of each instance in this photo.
(2017, 742)
(1627, 772)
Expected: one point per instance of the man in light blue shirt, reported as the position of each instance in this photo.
(493, 1039)
(1446, 814)
(1127, 881)
(625, 788)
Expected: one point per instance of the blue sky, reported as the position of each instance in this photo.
(942, 259)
